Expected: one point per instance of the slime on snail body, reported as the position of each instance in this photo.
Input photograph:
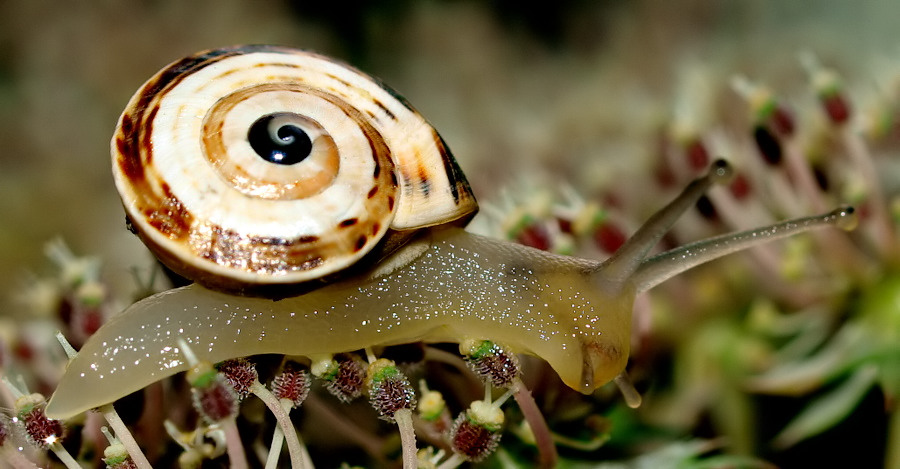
(426, 280)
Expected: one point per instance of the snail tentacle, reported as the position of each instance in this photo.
(664, 266)
(625, 261)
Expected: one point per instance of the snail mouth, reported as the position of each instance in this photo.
(587, 375)
(600, 364)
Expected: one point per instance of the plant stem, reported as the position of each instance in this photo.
(64, 456)
(403, 417)
(295, 448)
(542, 436)
(125, 436)
(453, 461)
(236, 455)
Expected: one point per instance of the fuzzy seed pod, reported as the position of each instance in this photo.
(389, 389)
(214, 398)
(40, 430)
(240, 373)
(292, 384)
(493, 363)
(345, 376)
(476, 432)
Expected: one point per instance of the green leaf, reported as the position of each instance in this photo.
(830, 409)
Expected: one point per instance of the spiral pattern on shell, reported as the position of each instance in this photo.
(260, 165)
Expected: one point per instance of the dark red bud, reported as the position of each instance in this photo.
(535, 235)
(609, 237)
(697, 156)
(740, 186)
(782, 122)
(837, 107)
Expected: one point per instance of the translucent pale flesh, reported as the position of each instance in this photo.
(461, 286)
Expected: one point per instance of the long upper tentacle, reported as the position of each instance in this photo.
(660, 268)
(626, 260)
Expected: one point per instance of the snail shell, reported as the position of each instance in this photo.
(258, 165)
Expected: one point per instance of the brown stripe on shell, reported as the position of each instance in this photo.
(270, 255)
(145, 141)
(360, 242)
(339, 80)
(133, 136)
(385, 109)
(278, 64)
(171, 218)
(459, 185)
(424, 180)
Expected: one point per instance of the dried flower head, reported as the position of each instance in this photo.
(345, 375)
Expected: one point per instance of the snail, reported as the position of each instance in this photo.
(317, 212)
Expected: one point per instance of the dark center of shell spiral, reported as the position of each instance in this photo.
(276, 139)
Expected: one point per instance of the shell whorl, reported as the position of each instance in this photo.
(259, 165)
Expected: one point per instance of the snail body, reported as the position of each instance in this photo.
(255, 168)
(547, 308)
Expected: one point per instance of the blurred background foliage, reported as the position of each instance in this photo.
(525, 93)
